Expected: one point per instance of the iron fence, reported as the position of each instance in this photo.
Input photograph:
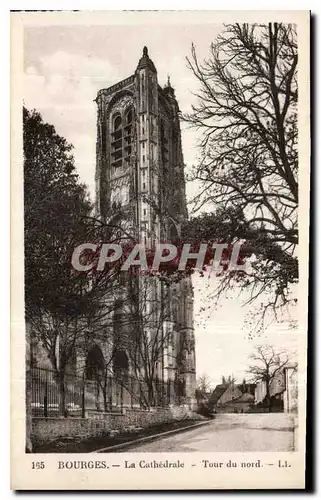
(74, 395)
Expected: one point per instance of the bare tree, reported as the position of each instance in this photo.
(148, 339)
(267, 362)
(228, 380)
(203, 386)
(138, 341)
(203, 383)
(65, 334)
(246, 112)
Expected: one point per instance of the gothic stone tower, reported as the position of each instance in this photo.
(140, 167)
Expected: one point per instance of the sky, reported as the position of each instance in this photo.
(64, 67)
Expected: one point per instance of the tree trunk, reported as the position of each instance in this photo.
(151, 399)
(268, 396)
(104, 391)
(105, 399)
(97, 396)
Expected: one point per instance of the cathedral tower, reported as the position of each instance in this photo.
(140, 168)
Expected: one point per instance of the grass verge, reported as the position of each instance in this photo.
(80, 445)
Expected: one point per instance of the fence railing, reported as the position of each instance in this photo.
(74, 395)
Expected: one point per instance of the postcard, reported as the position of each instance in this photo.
(160, 182)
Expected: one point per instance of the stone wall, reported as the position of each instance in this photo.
(100, 423)
(235, 407)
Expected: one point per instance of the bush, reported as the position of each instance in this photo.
(205, 410)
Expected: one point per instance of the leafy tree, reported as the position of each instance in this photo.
(51, 191)
(55, 207)
(246, 112)
(65, 309)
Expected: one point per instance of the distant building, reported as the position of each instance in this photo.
(283, 389)
(233, 398)
(277, 387)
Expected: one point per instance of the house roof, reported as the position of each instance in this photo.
(247, 390)
(218, 391)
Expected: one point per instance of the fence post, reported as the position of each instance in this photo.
(83, 409)
(45, 399)
(65, 397)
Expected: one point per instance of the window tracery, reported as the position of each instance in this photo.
(121, 136)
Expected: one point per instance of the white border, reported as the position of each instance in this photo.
(5, 120)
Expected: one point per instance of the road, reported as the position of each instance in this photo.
(230, 432)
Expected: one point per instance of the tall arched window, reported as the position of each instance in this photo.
(116, 142)
(122, 138)
(128, 134)
(95, 363)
